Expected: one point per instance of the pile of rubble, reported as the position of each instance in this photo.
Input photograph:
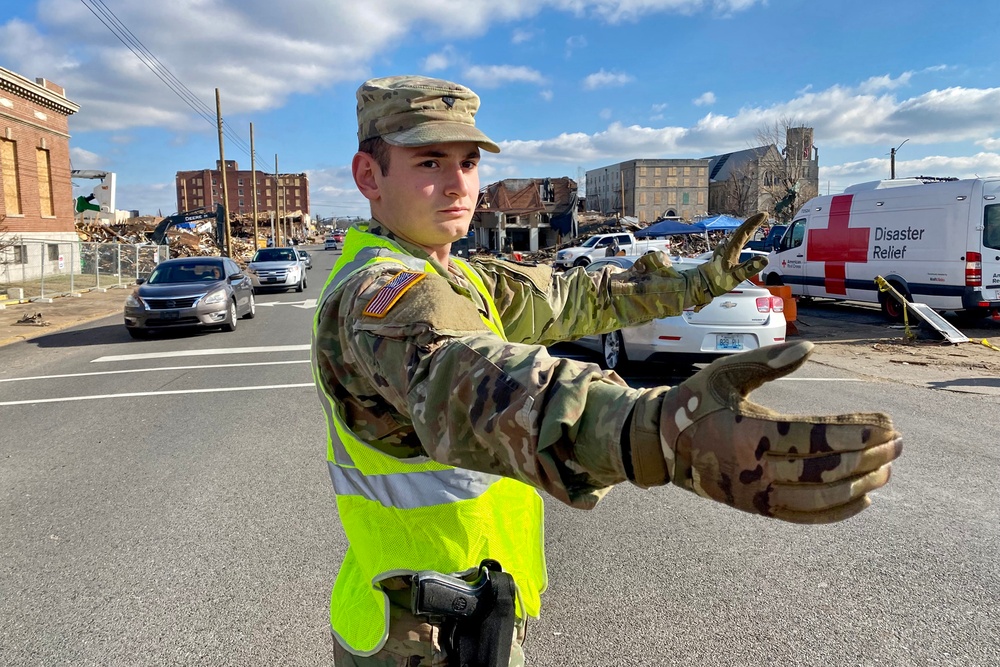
(182, 243)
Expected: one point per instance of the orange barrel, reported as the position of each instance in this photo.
(789, 304)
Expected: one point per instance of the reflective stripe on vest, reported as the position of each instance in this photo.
(407, 515)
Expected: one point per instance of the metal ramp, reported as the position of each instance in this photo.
(924, 312)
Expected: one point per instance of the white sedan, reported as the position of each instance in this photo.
(747, 318)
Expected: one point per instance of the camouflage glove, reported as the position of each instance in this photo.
(715, 442)
(724, 272)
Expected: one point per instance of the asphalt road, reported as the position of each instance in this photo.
(166, 502)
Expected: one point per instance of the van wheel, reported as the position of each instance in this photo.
(614, 356)
(891, 308)
(772, 280)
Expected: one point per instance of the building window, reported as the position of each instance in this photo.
(642, 182)
(671, 197)
(656, 171)
(214, 182)
(20, 254)
(45, 183)
(687, 171)
(53, 252)
(240, 193)
(239, 182)
(11, 178)
(642, 198)
(684, 198)
(657, 197)
(671, 171)
(241, 203)
(701, 197)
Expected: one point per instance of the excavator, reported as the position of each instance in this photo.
(160, 233)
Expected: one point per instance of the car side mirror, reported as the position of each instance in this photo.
(139, 281)
(233, 277)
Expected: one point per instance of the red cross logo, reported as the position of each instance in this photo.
(838, 244)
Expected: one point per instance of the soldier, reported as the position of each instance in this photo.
(446, 412)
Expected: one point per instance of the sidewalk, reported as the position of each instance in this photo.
(62, 313)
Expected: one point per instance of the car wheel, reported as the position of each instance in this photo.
(614, 356)
(253, 308)
(583, 261)
(230, 323)
(891, 308)
(138, 334)
(302, 284)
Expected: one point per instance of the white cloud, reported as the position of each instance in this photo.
(437, 61)
(521, 35)
(492, 76)
(604, 114)
(991, 144)
(546, 95)
(604, 79)
(575, 43)
(83, 159)
(705, 99)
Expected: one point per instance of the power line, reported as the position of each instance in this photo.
(111, 21)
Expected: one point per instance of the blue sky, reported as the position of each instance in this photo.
(566, 85)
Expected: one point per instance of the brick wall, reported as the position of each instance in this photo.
(36, 116)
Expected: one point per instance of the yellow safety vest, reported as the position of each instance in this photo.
(406, 515)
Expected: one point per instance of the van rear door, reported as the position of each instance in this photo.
(991, 242)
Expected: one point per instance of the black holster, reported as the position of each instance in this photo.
(477, 617)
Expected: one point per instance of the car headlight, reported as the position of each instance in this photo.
(218, 296)
(133, 301)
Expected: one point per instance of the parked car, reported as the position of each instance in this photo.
(306, 258)
(745, 254)
(190, 292)
(746, 318)
(277, 267)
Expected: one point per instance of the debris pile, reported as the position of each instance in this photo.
(33, 320)
(182, 243)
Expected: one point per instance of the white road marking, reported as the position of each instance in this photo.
(202, 353)
(149, 370)
(307, 304)
(135, 394)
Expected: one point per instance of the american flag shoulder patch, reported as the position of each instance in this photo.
(391, 292)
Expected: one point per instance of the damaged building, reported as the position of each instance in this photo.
(525, 214)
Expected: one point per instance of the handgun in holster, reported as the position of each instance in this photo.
(477, 615)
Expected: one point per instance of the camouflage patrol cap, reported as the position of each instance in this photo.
(417, 110)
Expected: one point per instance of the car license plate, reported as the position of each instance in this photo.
(270, 280)
(729, 342)
(170, 314)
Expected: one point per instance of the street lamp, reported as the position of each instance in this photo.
(892, 159)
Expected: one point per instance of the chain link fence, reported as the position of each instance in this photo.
(31, 268)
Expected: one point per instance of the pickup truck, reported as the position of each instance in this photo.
(769, 242)
(597, 246)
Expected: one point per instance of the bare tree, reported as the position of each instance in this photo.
(787, 178)
(739, 192)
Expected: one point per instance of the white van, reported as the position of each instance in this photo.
(936, 241)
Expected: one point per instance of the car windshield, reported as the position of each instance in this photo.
(186, 272)
(274, 255)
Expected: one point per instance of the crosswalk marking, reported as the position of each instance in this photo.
(202, 353)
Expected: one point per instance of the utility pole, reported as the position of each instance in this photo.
(892, 160)
(228, 250)
(253, 187)
(277, 204)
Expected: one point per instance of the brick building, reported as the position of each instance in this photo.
(36, 202)
(285, 195)
(650, 189)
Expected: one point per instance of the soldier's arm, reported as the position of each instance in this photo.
(473, 400)
(537, 307)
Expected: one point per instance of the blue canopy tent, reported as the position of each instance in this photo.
(668, 228)
(719, 223)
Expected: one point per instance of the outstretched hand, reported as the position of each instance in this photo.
(724, 271)
(799, 468)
